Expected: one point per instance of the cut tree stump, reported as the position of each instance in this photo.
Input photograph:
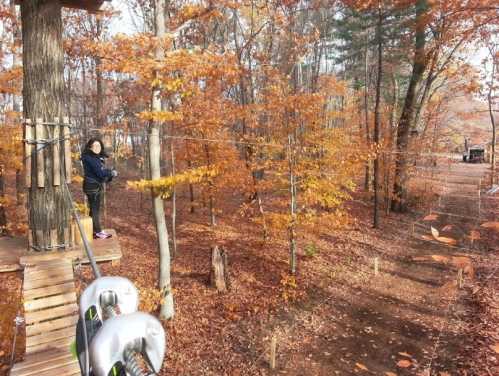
(219, 274)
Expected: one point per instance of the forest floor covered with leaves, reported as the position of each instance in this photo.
(337, 317)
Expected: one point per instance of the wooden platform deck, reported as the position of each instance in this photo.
(51, 314)
(14, 254)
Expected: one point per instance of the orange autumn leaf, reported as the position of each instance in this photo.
(361, 366)
(446, 240)
(495, 348)
(474, 235)
(404, 363)
(430, 217)
(491, 225)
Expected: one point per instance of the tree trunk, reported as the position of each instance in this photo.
(174, 202)
(43, 94)
(377, 115)
(211, 187)
(99, 104)
(167, 309)
(493, 55)
(367, 178)
(219, 273)
(3, 215)
(399, 202)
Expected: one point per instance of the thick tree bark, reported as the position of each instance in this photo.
(167, 309)
(377, 115)
(43, 95)
(399, 202)
(219, 273)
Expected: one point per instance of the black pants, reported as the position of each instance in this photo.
(94, 200)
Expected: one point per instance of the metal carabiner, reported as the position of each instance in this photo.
(122, 336)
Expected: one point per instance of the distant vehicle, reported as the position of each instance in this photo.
(474, 154)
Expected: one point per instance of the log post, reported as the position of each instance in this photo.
(219, 274)
(49, 211)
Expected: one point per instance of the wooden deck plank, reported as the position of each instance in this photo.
(50, 336)
(38, 360)
(56, 300)
(49, 290)
(45, 366)
(63, 322)
(51, 313)
(53, 280)
(66, 370)
(48, 274)
(40, 269)
(62, 343)
(103, 249)
(14, 253)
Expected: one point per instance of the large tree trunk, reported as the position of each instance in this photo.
(43, 95)
(399, 202)
(167, 309)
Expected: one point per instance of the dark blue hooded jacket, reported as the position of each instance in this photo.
(95, 172)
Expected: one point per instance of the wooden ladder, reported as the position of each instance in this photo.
(51, 314)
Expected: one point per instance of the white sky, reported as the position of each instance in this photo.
(123, 23)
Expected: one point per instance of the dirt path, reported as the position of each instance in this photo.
(411, 318)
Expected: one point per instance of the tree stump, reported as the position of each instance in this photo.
(219, 274)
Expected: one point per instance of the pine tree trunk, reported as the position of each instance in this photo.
(43, 95)
(399, 202)
(167, 309)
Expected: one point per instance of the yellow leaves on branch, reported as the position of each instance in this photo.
(163, 187)
(160, 116)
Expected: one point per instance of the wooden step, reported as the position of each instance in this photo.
(51, 325)
(50, 362)
(50, 313)
(63, 344)
(43, 292)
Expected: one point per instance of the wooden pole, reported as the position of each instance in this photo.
(28, 149)
(40, 162)
(67, 150)
(56, 158)
(273, 352)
